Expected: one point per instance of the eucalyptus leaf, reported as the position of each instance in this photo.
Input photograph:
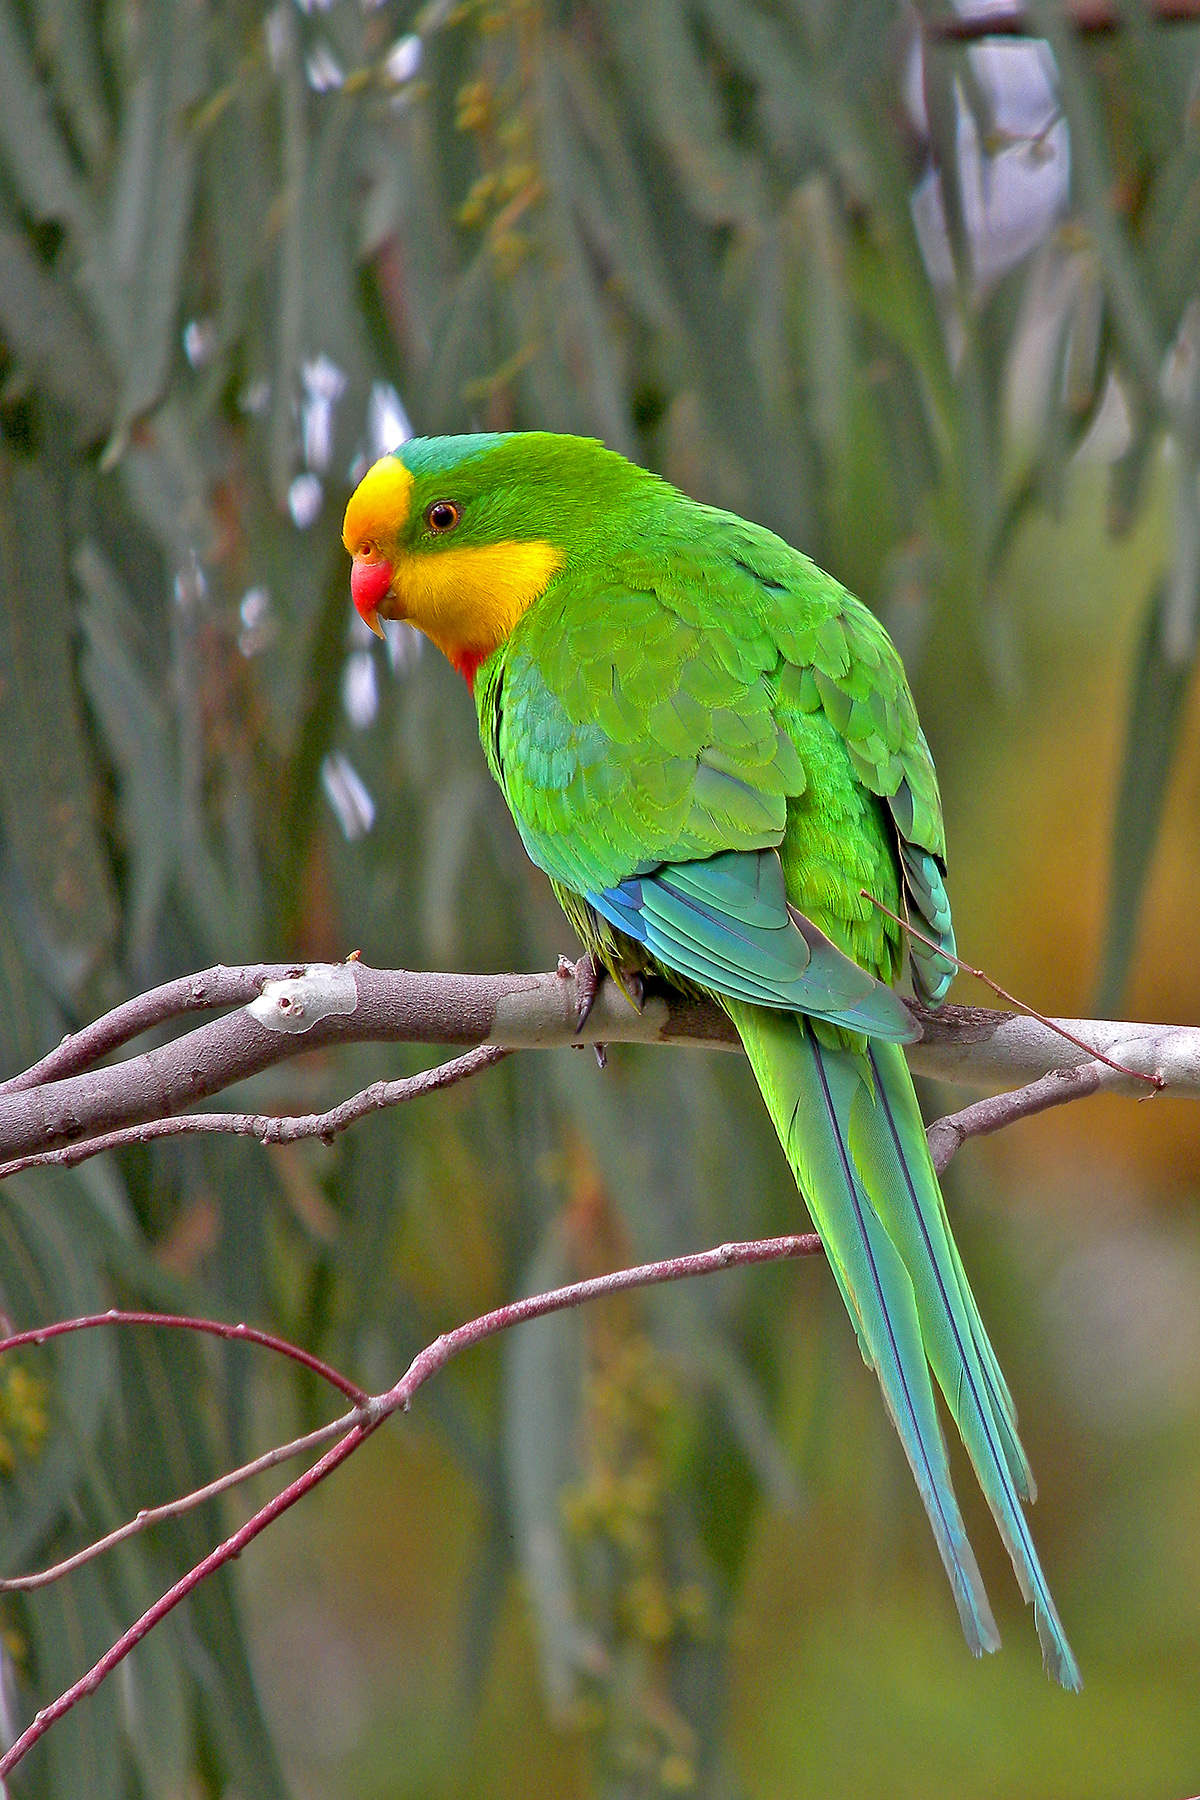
(46, 781)
(137, 731)
(1160, 685)
(44, 326)
(544, 1373)
(71, 1627)
(152, 199)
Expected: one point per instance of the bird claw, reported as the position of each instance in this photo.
(587, 972)
(633, 984)
(601, 1055)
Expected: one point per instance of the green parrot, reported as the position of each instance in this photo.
(711, 749)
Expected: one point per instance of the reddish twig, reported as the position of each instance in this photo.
(174, 1509)
(41, 1334)
(216, 1559)
(1061, 1085)
(270, 1128)
(1156, 1081)
(218, 986)
(370, 1415)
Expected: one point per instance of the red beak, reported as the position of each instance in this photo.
(369, 583)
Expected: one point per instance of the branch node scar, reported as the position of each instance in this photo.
(301, 1001)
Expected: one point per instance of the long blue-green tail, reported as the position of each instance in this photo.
(852, 1132)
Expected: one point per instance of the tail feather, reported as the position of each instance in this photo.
(809, 1091)
(899, 1168)
(852, 1131)
(889, 1143)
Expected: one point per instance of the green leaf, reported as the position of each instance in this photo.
(29, 1020)
(33, 150)
(67, 34)
(544, 1367)
(289, 323)
(49, 1270)
(1160, 686)
(724, 185)
(152, 202)
(169, 1452)
(46, 793)
(1139, 329)
(460, 343)
(606, 186)
(47, 332)
(157, 1711)
(72, 1627)
(137, 730)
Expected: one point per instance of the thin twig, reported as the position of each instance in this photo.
(1061, 1085)
(174, 1509)
(216, 1559)
(372, 1414)
(249, 1334)
(1155, 1080)
(270, 1128)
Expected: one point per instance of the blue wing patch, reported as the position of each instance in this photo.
(725, 922)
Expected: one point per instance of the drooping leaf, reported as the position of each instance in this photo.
(71, 1627)
(152, 199)
(45, 328)
(161, 1387)
(138, 735)
(544, 1372)
(1160, 686)
(49, 1269)
(46, 782)
(68, 34)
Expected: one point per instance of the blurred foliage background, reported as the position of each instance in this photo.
(926, 303)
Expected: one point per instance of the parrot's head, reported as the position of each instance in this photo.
(460, 535)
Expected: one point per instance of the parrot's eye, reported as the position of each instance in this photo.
(443, 515)
(367, 550)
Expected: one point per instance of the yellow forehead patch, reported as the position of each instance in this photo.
(378, 506)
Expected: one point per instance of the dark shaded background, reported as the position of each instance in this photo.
(930, 310)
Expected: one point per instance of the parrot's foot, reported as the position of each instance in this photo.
(587, 973)
(634, 984)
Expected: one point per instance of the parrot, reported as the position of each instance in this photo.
(711, 749)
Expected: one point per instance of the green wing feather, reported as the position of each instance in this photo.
(888, 1144)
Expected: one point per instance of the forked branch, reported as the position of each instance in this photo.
(66, 1109)
(352, 1429)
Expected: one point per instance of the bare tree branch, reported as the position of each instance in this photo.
(211, 988)
(327, 1004)
(50, 1114)
(951, 1133)
(270, 1128)
(1059, 1027)
(247, 1334)
(978, 1048)
(174, 1509)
